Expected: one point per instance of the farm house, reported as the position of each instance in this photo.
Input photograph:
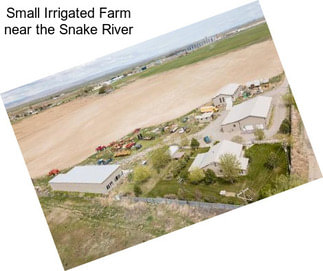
(228, 91)
(89, 179)
(211, 159)
(248, 116)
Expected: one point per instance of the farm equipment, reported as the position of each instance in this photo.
(53, 172)
(138, 146)
(129, 145)
(148, 138)
(122, 153)
(104, 162)
(181, 130)
(174, 129)
(207, 139)
(100, 148)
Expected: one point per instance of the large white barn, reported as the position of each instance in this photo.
(89, 179)
(248, 116)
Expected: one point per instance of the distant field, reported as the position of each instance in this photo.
(245, 38)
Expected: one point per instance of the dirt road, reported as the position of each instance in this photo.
(63, 136)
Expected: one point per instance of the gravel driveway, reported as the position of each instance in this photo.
(213, 130)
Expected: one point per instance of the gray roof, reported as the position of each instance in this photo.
(86, 174)
(213, 155)
(257, 107)
(229, 89)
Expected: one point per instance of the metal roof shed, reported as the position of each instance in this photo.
(89, 178)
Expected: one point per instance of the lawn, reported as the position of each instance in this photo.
(245, 38)
(258, 175)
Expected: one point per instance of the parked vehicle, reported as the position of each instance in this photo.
(122, 153)
(104, 162)
(207, 139)
(100, 148)
(53, 172)
(129, 145)
(138, 146)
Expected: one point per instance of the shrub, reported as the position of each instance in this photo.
(160, 158)
(285, 127)
(196, 176)
(184, 141)
(194, 143)
(259, 134)
(272, 161)
(141, 174)
(210, 176)
(137, 190)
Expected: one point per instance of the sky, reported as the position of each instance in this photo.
(127, 57)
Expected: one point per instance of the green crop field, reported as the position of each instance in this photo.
(243, 39)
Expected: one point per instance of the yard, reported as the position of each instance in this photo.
(258, 175)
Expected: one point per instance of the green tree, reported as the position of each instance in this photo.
(141, 173)
(280, 184)
(259, 134)
(184, 141)
(194, 143)
(210, 176)
(230, 166)
(289, 99)
(272, 161)
(137, 190)
(196, 175)
(285, 127)
(160, 158)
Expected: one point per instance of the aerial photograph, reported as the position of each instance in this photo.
(161, 135)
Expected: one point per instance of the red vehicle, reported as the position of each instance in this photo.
(100, 148)
(53, 172)
(112, 143)
(129, 145)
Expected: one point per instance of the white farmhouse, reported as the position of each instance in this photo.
(211, 159)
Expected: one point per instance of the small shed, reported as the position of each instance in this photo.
(178, 155)
(205, 117)
(173, 149)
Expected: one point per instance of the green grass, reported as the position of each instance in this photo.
(243, 39)
(258, 176)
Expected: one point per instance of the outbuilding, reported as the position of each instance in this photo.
(248, 116)
(88, 179)
(205, 117)
(228, 91)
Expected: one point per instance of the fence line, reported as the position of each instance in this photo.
(208, 205)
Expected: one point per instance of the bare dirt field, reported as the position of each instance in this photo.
(63, 136)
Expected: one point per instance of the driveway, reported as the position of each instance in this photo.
(213, 130)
